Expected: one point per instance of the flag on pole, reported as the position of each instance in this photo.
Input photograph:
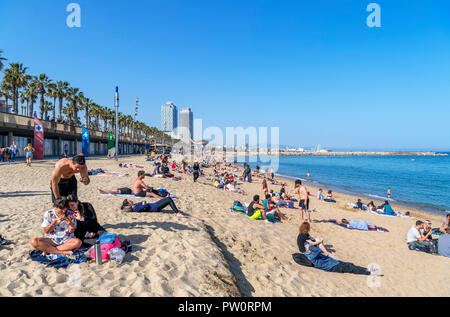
(38, 139)
(110, 141)
(85, 141)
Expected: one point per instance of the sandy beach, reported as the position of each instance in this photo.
(213, 252)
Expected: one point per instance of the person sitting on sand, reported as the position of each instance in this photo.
(444, 243)
(88, 229)
(329, 197)
(59, 229)
(358, 204)
(357, 224)
(271, 210)
(166, 171)
(283, 194)
(445, 224)
(387, 209)
(139, 189)
(157, 171)
(416, 240)
(130, 206)
(320, 194)
(314, 249)
(64, 182)
(255, 210)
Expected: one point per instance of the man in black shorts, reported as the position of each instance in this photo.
(139, 189)
(64, 182)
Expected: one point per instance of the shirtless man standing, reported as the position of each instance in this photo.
(303, 199)
(139, 189)
(63, 181)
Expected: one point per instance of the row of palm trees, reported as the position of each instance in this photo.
(19, 87)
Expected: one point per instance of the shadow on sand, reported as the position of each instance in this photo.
(243, 284)
(167, 226)
(24, 194)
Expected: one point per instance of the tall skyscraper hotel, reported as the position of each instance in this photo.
(169, 118)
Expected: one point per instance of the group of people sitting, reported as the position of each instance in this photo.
(226, 181)
(328, 198)
(267, 210)
(420, 237)
(384, 209)
(72, 224)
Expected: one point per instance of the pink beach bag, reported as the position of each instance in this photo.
(105, 248)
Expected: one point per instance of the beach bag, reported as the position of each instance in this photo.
(237, 203)
(107, 241)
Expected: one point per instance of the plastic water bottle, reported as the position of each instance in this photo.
(98, 253)
(117, 255)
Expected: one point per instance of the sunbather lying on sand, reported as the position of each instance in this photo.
(130, 206)
(102, 171)
(357, 224)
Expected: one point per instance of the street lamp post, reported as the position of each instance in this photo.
(116, 102)
(132, 130)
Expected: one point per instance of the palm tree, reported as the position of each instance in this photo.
(5, 92)
(86, 104)
(104, 116)
(73, 96)
(1, 59)
(94, 112)
(68, 111)
(60, 92)
(51, 93)
(17, 78)
(42, 83)
(48, 106)
(29, 95)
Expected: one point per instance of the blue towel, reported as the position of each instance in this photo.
(60, 260)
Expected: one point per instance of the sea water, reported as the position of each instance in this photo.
(416, 181)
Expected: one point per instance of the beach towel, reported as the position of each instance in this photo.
(380, 213)
(380, 229)
(57, 261)
(118, 175)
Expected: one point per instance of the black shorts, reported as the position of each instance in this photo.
(141, 194)
(302, 204)
(66, 186)
(125, 191)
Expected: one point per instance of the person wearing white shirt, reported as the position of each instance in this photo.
(415, 240)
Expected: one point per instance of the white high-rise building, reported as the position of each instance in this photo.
(169, 117)
(186, 123)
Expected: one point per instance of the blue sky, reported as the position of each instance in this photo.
(312, 68)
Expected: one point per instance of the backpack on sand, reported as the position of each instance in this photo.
(107, 241)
